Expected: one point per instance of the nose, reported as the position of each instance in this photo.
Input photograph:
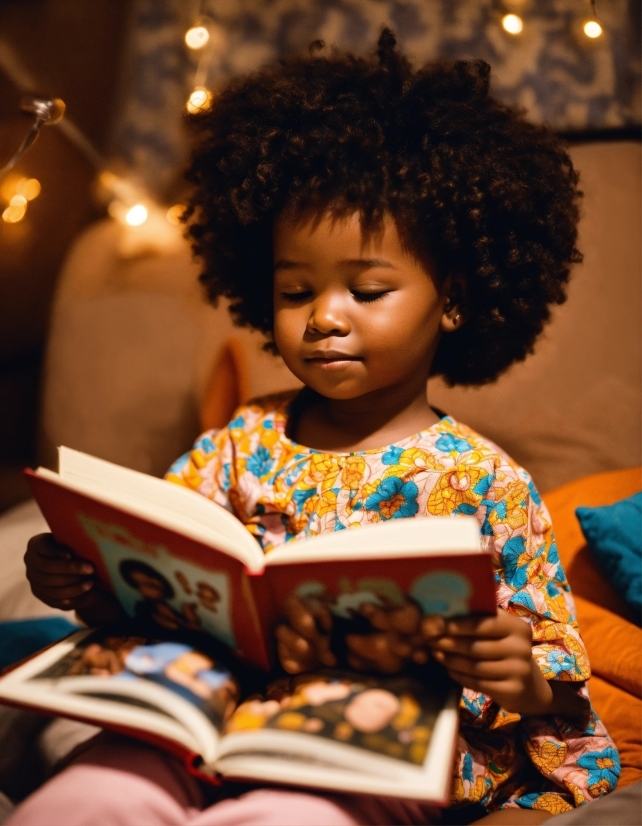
(327, 316)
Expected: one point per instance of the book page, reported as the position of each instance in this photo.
(353, 732)
(420, 536)
(167, 504)
(167, 688)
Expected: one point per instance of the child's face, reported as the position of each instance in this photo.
(352, 315)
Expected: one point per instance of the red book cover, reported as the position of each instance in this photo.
(160, 574)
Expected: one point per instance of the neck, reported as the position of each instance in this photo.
(370, 421)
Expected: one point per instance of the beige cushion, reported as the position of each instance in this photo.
(131, 349)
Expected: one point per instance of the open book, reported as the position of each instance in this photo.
(389, 736)
(173, 556)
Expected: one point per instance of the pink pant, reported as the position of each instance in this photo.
(121, 782)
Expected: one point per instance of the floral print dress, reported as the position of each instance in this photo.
(283, 491)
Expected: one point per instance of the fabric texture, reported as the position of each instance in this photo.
(613, 641)
(614, 536)
(283, 491)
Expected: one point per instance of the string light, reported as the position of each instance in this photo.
(200, 99)
(592, 29)
(16, 210)
(197, 37)
(18, 192)
(512, 23)
(136, 215)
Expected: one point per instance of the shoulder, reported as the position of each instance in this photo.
(270, 412)
(455, 438)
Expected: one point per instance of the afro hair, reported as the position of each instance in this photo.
(488, 198)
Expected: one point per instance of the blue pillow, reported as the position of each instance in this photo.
(21, 638)
(614, 536)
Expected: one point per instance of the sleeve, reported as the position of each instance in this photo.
(531, 582)
(207, 467)
(575, 763)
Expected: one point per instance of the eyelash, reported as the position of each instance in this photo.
(363, 298)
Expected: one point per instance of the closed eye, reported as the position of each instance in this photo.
(368, 298)
(298, 296)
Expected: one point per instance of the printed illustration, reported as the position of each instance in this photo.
(442, 592)
(392, 717)
(176, 666)
(152, 585)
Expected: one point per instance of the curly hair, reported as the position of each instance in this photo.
(489, 199)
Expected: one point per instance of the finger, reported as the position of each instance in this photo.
(432, 627)
(374, 646)
(378, 617)
(493, 688)
(48, 594)
(482, 649)
(59, 565)
(295, 653)
(484, 669)
(56, 580)
(495, 627)
(302, 619)
(44, 544)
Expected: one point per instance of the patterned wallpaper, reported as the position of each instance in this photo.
(552, 69)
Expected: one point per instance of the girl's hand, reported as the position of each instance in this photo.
(494, 655)
(304, 642)
(395, 640)
(62, 580)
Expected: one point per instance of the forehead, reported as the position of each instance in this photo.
(341, 237)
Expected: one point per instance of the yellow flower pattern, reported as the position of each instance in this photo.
(283, 491)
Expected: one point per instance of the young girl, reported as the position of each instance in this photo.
(380, 225)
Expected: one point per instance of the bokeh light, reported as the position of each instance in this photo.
(29, 188)
(512, 23)
(592, 29)
(174, 213)
(197, 37)
(199, 99)
(136, 215)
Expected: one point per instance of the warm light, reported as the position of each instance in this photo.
(15, 212)
(197, 37)
(512, 23)
(18, 201)
(592, 29)
(174, 213)
(199, 99)
(29, 188)
(136, 216)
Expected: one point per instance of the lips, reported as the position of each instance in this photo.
(330, 355)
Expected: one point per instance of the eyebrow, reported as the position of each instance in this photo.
(286, 264)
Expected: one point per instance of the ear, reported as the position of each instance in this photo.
(453, 315)
(452, 318)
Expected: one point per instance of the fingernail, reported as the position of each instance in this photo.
(433, 626)
(87, 585)
(86, 568)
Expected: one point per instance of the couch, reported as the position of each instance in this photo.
(137, 365)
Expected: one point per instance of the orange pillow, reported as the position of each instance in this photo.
(613, 641)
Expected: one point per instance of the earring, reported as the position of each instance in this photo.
(456, 320)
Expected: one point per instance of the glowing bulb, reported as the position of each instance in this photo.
(197, 37)
(174, 213)
(136, 216)
(512, 23)
(29, 188)
(18, 201)
(592, 29)
(15, 212)
(199, 99)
